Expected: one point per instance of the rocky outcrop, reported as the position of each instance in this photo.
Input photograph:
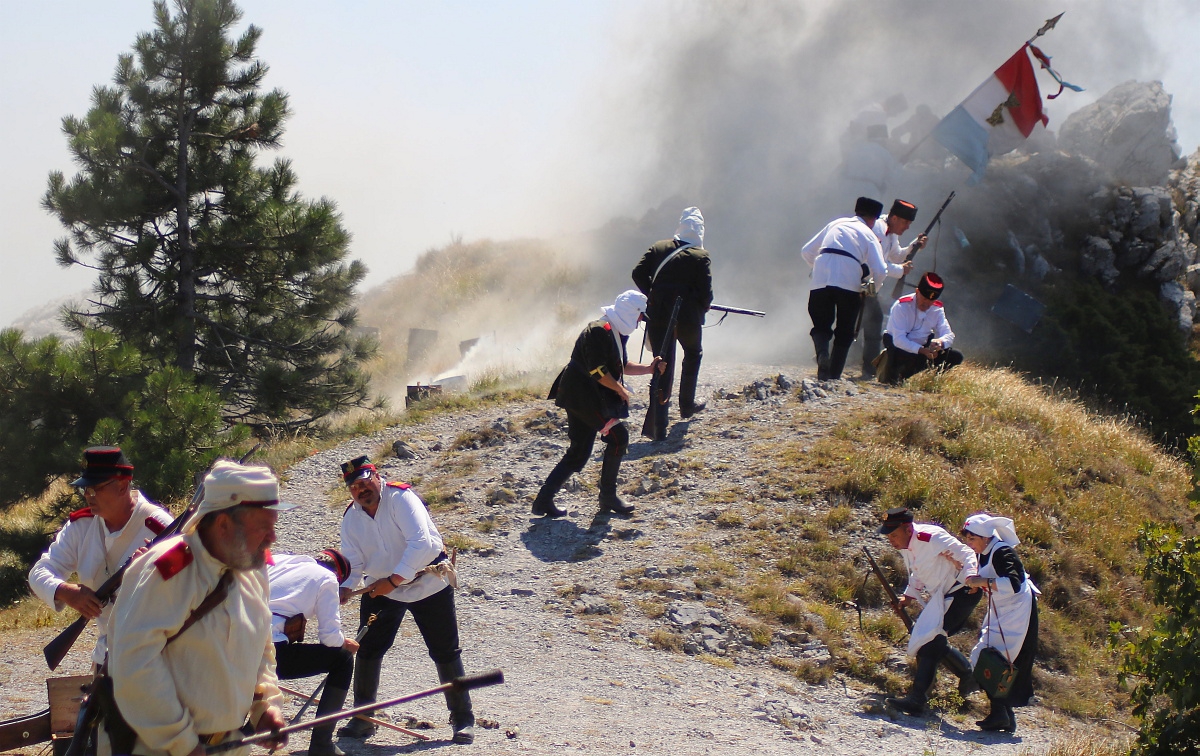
(1128, 132)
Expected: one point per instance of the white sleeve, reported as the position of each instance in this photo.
(59, 561)
(942, 330)
(897, 328)
(350, 550)
(329, 619)
(880, 269)
(813, 248)
(422, 545)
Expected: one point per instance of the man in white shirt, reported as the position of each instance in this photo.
(918, 335)
(390, 540)
(191, 656)
(304, 588)
(888, 231)
(117, 521)
(938, 567)
(842, 255)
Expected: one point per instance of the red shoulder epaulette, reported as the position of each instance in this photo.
(938, 303)
(270, 559)
(921, 536)
(173, 560)
(608, 326)
(403, 486)
(79, 514)
(154, 526)
(907, 298)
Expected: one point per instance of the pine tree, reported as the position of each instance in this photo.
(206, 261)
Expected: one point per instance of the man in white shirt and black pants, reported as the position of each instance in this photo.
(389, 539)
(843, 255)
(304, 588)
(918, 335)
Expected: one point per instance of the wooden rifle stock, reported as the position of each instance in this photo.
(892, 597)
(56, 650)
(650, 424)
(898, 289)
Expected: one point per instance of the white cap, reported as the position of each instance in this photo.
(229, 484)
(984, 524)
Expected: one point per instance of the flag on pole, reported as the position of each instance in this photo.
(996, 117)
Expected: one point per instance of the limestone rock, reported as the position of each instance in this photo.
(1128, 132)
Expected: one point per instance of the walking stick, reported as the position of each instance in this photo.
(465, 683)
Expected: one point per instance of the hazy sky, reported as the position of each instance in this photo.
(425, 120)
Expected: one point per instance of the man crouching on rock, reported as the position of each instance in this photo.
(938, 567)
(391, 542)
(589, 388)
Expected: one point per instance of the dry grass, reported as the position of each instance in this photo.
(1087, 744)
(1077, 484)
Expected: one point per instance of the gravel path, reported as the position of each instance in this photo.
(540, 599)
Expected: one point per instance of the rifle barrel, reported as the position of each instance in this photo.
(467, 682)
(737, 310)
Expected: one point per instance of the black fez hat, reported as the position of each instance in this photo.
(336, 561)
(896, 516)
(867, 207)
(931, 285)
(101, 463)
(905, 210)
(357, 469)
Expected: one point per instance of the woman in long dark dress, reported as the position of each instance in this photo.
(1011, 623)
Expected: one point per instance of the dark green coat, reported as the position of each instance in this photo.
(577, 388)
(688, 275)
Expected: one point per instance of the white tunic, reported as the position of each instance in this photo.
(910, 327)
(1007, 618)
(85, 547)
(400, 539)
(853, 236)
(205, 681)
(299, 585)
(892, 251)
(938, 564)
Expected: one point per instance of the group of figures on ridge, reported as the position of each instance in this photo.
(207, 622)
(190, 653)
(675, 291)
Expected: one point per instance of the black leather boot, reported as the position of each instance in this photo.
(998, 718)
(610, 500)
(366, 686)
(321, 743)
(462, 718)
(960, 665)
(822, 349)
(928, 658)
(837, 359)
(543, 504)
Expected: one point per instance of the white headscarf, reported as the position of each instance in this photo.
(691, 227)
(623, 313)
(1001, 528)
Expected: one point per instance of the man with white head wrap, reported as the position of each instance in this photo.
(589, 388)
(1011, 623)
(678, 267)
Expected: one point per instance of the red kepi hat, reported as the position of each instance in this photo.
(101, 463)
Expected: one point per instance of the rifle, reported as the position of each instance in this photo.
(56, 650)
(736, 311)
(657, 394)
(467, 682)
(892, 597)
(898, 289)
(362, 631)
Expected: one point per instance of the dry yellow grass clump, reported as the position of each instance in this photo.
(1077, 484)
